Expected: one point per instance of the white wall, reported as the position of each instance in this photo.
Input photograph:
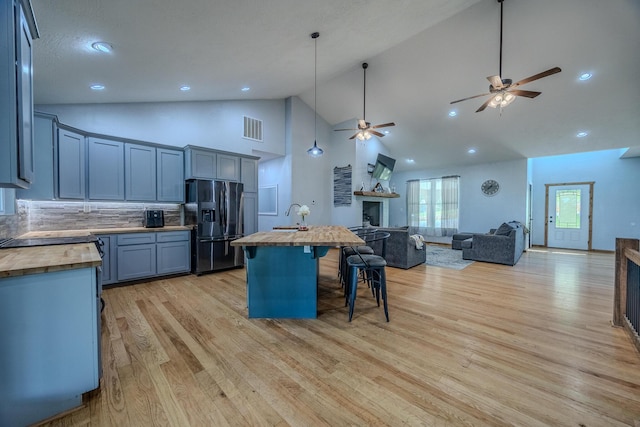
(300, 178)
(212, 124)
(478, 213)
(276, 172)
(616, 197)
(358, 154)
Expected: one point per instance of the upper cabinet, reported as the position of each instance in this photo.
(204, 163)
(170, 170)
(228, 167)
(16, 93)
(140, 174)
(249, 174)
(200, 163)
(106, 169)
(71, 165)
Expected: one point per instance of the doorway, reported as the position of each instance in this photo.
(569, 209)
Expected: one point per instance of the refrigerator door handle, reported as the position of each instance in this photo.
(240, 228)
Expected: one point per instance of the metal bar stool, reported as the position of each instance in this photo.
(347, 251)
(373, 267)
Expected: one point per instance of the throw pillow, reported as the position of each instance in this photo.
(503, 230)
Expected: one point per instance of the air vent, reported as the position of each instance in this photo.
(252, 129)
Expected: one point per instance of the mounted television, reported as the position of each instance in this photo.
(383, 168)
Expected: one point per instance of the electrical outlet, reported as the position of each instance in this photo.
(87, 208)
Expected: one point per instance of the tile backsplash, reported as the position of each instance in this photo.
(62, 215)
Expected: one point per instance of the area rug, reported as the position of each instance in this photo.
(441, 256)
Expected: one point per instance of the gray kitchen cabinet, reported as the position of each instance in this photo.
(71, 165)
(50, 344)
(106, 169)
(109, 258)
(136, 256)
(170, 171)
(249, 174)
(173, 252)
(140, 172)
(250, 213)
(16, 87)
(200, 164)
(228, 167)
(44, 137)
(148, 254)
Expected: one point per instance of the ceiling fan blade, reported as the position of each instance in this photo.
(336, 130)
(496, 82)
(376, 133)
(483, 106)
(525, 93)
(383, 125)
(549, 72)
(354, 135)
(471, 97)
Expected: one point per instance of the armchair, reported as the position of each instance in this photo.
(401, 249)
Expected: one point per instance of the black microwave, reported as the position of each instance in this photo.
(153, 218)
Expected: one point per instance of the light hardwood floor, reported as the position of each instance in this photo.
(529, 345)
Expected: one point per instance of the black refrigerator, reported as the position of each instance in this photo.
(216, 208)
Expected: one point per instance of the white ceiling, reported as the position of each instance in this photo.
(422, 54)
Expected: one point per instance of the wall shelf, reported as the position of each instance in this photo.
(376, 194)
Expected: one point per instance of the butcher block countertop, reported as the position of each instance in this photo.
(45, 259)
(98, 231)
(319, 235)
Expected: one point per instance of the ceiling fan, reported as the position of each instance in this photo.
(503, 92)
(365, 130)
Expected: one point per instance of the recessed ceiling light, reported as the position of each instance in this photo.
(410, 161)
(245, 89)
(585, 76)
(386, 132)
(453, 113)
(185, 88)
(582, 134)
(97, 87)
(103, 47)
(471, 151)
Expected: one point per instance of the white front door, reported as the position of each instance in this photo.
(568, 217)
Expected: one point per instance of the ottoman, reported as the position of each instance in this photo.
(456, 242)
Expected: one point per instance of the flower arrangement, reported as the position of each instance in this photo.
(303, 211)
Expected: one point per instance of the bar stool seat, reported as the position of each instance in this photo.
(345, 253)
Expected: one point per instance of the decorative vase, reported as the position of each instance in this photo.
(303, 225)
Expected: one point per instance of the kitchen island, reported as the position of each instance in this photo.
(282, 269)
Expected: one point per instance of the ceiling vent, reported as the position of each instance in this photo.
(252, 129)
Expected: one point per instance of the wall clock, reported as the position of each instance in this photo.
(490, 187)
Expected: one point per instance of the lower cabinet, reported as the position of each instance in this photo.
(50, 344)
(136, 261)
(109, 248)
(132, 256)
(173, 252)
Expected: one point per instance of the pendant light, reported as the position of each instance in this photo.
(315, 151)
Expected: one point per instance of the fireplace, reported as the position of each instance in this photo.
(372, 213)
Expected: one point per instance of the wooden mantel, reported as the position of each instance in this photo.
(376, 194)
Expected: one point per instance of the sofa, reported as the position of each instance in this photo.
(503, 245)
(401, 248)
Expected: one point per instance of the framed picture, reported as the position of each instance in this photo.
(268, 200)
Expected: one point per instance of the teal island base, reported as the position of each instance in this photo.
(282, 281)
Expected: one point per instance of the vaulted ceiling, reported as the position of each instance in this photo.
(422, 54)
